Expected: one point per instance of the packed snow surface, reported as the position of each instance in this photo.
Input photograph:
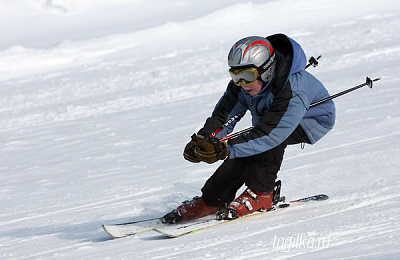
(98, 99)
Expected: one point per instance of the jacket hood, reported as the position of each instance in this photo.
(290, 58)
(299, 58)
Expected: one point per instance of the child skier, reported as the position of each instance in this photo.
(269, 80)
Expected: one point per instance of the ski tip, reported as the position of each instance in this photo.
(112, 232)
(108, 232)
(166, 234)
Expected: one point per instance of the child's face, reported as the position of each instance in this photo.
(253, 88)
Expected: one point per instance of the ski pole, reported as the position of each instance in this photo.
(368, 83)
(213, 134)
(312, 61)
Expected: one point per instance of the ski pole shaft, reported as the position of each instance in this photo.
(234, 135)
(230, 121)
(368, 83)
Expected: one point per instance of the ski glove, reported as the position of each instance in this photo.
(205, 149)
(188, 152)
(210, 150)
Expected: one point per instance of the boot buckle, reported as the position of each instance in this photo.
(246, 202)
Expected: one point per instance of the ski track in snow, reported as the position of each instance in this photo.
(96, 107)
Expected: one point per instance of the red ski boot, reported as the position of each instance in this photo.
(248, 202)
(193, 209)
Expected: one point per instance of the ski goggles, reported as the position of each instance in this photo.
(244, 76)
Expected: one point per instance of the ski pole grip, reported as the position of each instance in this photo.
(195, 148)
(215, 142)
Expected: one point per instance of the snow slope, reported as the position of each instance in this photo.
(98, 100)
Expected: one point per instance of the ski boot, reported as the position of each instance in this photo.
(190, 209)
(250, 201)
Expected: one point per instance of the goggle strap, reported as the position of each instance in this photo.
(267, 64)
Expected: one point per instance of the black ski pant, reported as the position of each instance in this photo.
(258, 172)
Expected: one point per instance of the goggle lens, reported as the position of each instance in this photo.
(244, 76)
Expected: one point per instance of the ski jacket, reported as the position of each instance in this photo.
(279, 108)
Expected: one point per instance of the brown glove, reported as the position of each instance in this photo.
(188, 152)
(210, 150)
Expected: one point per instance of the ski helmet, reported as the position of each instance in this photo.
(254, 51)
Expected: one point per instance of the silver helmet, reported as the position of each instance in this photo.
(254, 51)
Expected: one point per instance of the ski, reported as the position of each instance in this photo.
(132, 228)
(178, 230)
